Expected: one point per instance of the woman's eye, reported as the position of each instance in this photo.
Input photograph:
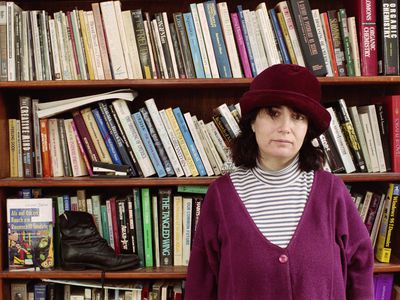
(298, 116)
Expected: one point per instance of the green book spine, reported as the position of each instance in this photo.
(195, 189)
(344, 31)
(104, 223)
(138, 225)
(147, 231)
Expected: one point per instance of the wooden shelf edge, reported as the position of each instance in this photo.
(189, 83)
(145, 182)
(387, 267)
(142, 273)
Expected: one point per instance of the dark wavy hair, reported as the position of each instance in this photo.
(244, 148)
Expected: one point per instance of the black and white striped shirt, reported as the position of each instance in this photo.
(275, 200)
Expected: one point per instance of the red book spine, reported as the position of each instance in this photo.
(244, 59)
(81, 148)
(114, 217)
(44, 136)
(366, 16)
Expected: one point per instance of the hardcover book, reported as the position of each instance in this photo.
(30, 234)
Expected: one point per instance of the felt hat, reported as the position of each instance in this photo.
(289, 85)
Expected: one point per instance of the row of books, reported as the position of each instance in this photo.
(379, 212)
(208, 41)
(91, 290)
(157, 225)
(150, 141)
(362, 138)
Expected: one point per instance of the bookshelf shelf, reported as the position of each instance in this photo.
(187, 83)
(393, 266)
(110, 182)
(143, 273)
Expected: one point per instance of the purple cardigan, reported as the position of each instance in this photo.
(329, 256)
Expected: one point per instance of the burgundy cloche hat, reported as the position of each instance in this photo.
(290, 85)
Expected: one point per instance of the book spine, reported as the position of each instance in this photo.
(178, 53)
(64, 148)
(279, 36)
(194, 46)
(187, 212)
(12, 138)
(355, 50)
(372, 211)
(189, 141)
(137, 205)
(141, 41)
(177, 229)
(147, 230)
(344, 32)
(131, 222)
(85, 157)
(337, 42)
(165, 222)
(329, 42)
(132, 134)
(244, 59)
(44, 135)
(3, 42)
(184, 45)
(332, 155)
(36, 139)
(157, 142)
(217, 38)
(366, 126)
(106, 137)
(148, 143)
(152, 45)
(110, 225)
(164, 44)
(308, 36)
(322, 41)
(104, 223)
(390, 36)
(383, 130)
(25, 114)
(77, 162)
(123, 226)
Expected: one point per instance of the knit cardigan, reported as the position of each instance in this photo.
(329, 256)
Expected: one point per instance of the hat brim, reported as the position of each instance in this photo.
(318, 116)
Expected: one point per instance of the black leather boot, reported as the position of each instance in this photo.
(82, 246)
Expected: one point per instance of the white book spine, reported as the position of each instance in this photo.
(11, 41)
(369, 139)
(79, 45)
(25, 47)
(284, 9)
(124, 115)
(260, 63)
(67, 30)
(86, 31)
(207, 40)
(152, 61)
(159, 48)
(63, 47)
(211, 144)
(267, 34)
(198, 144)
(226, 25)
(36, 45)
(55, 149)
(351, 23)
(206, 144)
(158, 124)
(187, 229)
(376, 134)
(54, 45)
(360, 135)
(340, 142)
(223, 109)
(200, 40)
(110, 230)
(365, 206)
(98, 66)
(113, 40)
(132, 45)
(175, 143)
(77, 162)
(218, 141)
(322, 41)
(170, 46)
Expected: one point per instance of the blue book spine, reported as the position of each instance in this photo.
(217, 38)
(239, 10)
(67, 203)
(194, 45)
(39, 291)
(189, 141)
(279, 36)
(106, 137)
(148, 143)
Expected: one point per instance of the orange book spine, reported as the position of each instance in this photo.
(46, 158)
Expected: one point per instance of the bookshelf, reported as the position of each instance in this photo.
(197, 96)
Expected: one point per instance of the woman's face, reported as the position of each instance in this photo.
(280, 133)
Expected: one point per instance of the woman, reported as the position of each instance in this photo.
(280, 227)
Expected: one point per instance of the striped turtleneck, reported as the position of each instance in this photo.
(275, 200)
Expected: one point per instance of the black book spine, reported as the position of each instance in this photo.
(332, 155)
(165, 224)
(164, 44)
(123, 227)
(308, 37)
(390, 36)
(178, 53)
(156, 72)
(337, 42)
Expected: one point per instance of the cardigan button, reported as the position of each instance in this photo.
(283, 259)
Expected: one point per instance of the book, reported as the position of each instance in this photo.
(383, 283)
(51, 108)
(178, 229)
(165, 223)
(25, 114)
(337, 42)
(30, 234)
(187, 207)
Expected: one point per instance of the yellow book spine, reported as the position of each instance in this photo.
(286, 36)
(95, 135)
(12, 138)
(382, 251)
(86, 47)
(181, 141)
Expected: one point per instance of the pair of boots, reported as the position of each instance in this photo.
(82, 246)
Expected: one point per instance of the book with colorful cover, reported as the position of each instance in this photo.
(30, 234)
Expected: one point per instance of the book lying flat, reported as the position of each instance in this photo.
(51, 108)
